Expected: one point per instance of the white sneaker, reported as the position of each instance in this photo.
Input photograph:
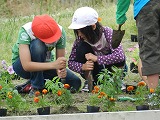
(85, 87)
(123, 87)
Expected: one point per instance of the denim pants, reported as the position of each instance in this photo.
(38, 51)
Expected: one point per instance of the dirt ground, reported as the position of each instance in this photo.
(79, 105)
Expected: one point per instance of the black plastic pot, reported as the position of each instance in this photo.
(133, 68)
(3, 112)
(43, 111)
(134, 38)
(91, 109)
(142, 107)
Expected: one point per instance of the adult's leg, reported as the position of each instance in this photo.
(148, 23)
(144, 78)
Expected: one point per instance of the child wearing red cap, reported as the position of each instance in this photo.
(92, 49)
(33, 58)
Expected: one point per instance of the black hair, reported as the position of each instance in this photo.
(92, 35)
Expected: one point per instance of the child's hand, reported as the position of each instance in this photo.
(89, 65)
(60, 63)
(91, 57)
(62, 73)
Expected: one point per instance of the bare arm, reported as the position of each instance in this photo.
(61, 72)
(31, 66)
(60, 53)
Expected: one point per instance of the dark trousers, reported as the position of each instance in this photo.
(85, 48)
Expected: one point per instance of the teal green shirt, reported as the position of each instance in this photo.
(122, 8)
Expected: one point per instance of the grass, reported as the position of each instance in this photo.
(16, 14)
(10, 24)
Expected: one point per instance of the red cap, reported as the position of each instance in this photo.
(46, 29)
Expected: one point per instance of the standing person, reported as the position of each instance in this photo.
(32, 55)
(147, 16)
(92, 50)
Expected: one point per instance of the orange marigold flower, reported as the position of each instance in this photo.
(96, 91)
(112, 99)
(93, 91)
(142, 83)
(37, 93)
(100, 96)
(0, 87)
(10, 96)
(130, 88)
(59, 93)
(102, 93)
(151, 90)
(99, 19)
(66, 86)
(36, 99)
(44, 91)
(96, 88)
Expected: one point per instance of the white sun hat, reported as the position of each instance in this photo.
(82, 17)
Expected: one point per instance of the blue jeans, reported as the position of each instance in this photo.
(38, 51)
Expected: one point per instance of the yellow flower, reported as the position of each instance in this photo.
(9, 93)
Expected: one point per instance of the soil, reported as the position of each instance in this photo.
(79, 105)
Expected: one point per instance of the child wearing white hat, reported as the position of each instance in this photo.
(92, 49)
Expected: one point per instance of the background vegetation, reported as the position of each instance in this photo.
(15, 13)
